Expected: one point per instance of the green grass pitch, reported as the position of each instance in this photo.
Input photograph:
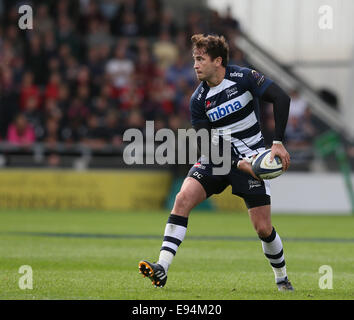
(95, 255)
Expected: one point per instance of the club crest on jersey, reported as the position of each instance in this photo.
(231, 92)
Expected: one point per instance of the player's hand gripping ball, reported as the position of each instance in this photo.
(264, 169)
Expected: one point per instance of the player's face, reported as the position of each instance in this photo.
(204, 67)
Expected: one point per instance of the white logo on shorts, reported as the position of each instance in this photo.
(254, 184)
(197, 175)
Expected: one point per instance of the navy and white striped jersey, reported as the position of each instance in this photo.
(233, 105)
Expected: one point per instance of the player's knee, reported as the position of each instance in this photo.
(263, 230)
(183, 201)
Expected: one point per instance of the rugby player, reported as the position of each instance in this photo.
(227, 98)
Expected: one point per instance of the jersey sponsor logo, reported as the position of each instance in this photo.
(229, 107)
(222, 112)
(236, 74)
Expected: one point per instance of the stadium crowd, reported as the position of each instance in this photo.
(90, 69)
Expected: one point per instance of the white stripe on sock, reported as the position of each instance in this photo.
(175, 231)
(273, 247)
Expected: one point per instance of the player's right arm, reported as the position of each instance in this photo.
(199, 118)
(281, 104)
(269, 91)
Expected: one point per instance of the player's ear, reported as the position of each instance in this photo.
(218, 61)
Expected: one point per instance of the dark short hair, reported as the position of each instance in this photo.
(214, 46)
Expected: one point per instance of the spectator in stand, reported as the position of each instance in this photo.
(95, 136)
(29, 90)
(216, 23)
(183, 88)
(99, 34)
(165, 51)
(8, 99)
(195, 24)
(35, 117)
(298, 105)
(44, 22)
(108, 8)
(66, 35)
(238, 57)
(181, 70)
(36, 59)
(131, 98)
(135, 119)
(75, 127)
(52, 88)
(167, 24)
(95, 65)
(83, 85)
(89, 11)
(114, 128)
(159, 100)
(145, 69)
(107, 92)
(182, 42)
(298, 135)
(50, 45)
(129, 26)
(229, 21)
(120, 68)
(12, 37)
(100, 109)
(183, 107)
(66, 7)
(83, 93)
(63, 98)
(52, 110)
(78, 111)
(175, 122)
(52, 133)
(300, 130)
(151, 21)
(20, 132)
(72, 70)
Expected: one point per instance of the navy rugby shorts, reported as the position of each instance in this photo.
(255, 193)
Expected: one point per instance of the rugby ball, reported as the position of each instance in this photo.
(264, 169)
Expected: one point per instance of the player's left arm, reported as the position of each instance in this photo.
(281, 104)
